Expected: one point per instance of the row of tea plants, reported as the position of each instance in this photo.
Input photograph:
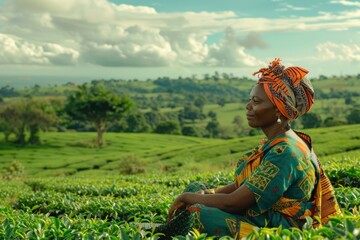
(117, 207)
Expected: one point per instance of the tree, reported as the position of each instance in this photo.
(8, 91)
(311, 120)
(322, 77)
(213, 128)
(191, 112)
(98, 106)
(136, 122)
(153, 118)
(168, 127)
(200, 101)
(39, 116)
(331, 121)
(211, 114)
(354, 116)
(348, 100)
(12, 122)
(26, 116)
(189, 131)
(221, 102)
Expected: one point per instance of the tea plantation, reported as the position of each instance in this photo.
(65, 189)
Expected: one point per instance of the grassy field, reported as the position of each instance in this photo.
(71, 153)
(70, 190)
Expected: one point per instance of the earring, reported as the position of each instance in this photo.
(278, 120)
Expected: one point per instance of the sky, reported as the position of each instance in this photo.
(81, 40)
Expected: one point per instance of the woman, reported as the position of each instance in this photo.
(279, 183)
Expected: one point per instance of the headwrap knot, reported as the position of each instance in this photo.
(287, 89)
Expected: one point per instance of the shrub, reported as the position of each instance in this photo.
(132, 164)
(14, 171)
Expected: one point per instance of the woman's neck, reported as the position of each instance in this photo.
(275, 130)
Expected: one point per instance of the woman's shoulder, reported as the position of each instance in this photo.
(290, 141)
(281, 144)
(281, 148)
(285, 147)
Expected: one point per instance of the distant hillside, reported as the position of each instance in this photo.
(195, 102)
(129, 153)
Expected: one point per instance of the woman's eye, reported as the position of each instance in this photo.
(255, 101)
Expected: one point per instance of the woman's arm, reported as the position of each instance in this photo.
(234, 202)
(226, 189)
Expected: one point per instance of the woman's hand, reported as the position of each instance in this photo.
(180, 203)
(177, 204)
(209, 191)
(206, 191)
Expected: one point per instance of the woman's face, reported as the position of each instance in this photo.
(261, 113)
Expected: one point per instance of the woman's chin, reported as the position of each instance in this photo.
(252, 125)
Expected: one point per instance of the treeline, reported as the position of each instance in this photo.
(138, 106)
(165, 92)
(93, 108)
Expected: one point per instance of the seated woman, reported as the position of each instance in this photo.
(280, 182)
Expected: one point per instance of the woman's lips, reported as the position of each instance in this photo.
(249, 117)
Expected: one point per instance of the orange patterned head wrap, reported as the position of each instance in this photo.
(287, 88)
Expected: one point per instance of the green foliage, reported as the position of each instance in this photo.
(7, 91)
(71, 153)
(348, 198)
(354, 116)
(332, 121)
(191, 112)
(96, 105)
(46, 227)
(169, 97)
(96, 201)
(336, 228)
(26, 115)
(153, 118)
(189, 131)
(136, 123)
(311, 120)
(168, 127)
(118, 207)
(14, 171)
(345, 176)
(132, 164)
(213, 128)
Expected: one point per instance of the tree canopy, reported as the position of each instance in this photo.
(26, 115)
(96, 105)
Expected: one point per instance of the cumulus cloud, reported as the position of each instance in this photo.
(339, 52)
(108, 34)
(253, 40)
(230, 53)
(18, 51)
(135, 47)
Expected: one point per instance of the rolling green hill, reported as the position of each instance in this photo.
(72, 153)
(66, 188)
(226, 96)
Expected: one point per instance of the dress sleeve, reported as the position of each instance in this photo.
(275, 174)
